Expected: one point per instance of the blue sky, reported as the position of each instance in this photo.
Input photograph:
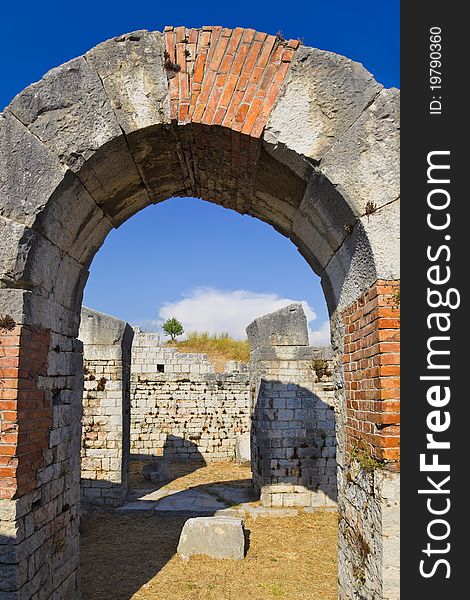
(185, 256)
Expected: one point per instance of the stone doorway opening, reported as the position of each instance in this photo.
(277, 412)
(180, 490)
(300, 138)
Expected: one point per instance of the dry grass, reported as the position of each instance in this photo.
(134, 557)
(219, 347)
(186, 475)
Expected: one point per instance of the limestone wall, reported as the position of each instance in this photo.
(182, 408)
(106, 408)
(148, 353)
(293, 441)
(369, 533)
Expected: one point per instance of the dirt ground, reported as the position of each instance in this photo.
(127, 556)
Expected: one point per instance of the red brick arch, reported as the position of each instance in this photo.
(227, 77)
(302, 139)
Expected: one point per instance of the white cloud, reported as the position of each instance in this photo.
(321, 336)
(215, 311)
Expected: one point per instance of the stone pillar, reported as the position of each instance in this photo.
(293, 418)
(366, 344)
(106, 408)
(40, 406)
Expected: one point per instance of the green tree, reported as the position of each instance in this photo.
(173, 328)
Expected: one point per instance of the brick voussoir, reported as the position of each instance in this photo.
(249, 60)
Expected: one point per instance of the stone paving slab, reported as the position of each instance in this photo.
(135, 507)
(190, 501)
(231, 494)
(151, 494)
(218, 499)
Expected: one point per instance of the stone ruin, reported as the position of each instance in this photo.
(308, 143)
(180, 406)
(105, 452)
(144, 399)
(293, 441)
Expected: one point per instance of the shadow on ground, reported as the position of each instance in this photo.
(134, 547)
(136, 544)
(129, 556)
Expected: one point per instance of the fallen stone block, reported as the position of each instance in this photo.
(157, 471)
(217, 537)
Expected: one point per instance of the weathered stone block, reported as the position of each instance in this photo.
(69, 111)
(218, 537)
(324, 95)
(363, 164)
(157, 471)
(132, 72)
(99, 329)
(29, 173)
(284, 327)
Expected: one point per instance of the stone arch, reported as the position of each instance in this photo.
(301, 138)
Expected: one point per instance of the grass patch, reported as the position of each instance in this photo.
(124, 557)
(134, 557)
(219, 347)
(368, 462)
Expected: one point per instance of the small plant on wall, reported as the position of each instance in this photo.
(365, 459)
(7, 323)
(321, 368)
